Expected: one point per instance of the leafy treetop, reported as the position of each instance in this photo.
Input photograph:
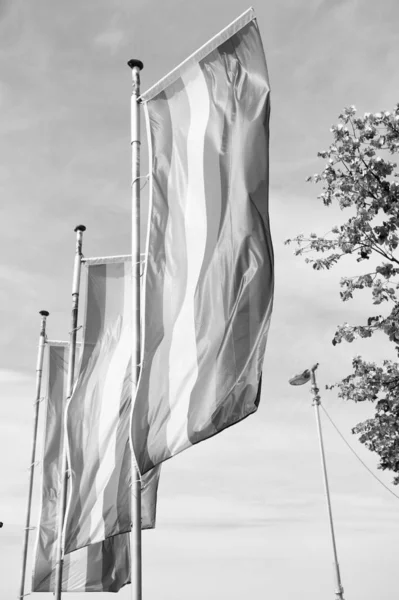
(360, 175)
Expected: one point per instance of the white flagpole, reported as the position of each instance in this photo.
(339, 591)
(39, 369)
(70, 379)
(135, 536)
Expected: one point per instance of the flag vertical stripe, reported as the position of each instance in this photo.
(172, 263)
(116, 494)
(109, 418)
(93, 326)
(154, 331)
(209, 292)
(87, 560)
(175, 259)
(245, 315)
(183, 348)
(98, 337)
(125, 456)
(102, 407)
(94, 319)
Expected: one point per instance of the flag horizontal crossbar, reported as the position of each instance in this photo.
(60, 343)
(103, 260)
(199, 54)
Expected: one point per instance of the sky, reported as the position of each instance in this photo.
(243, 513)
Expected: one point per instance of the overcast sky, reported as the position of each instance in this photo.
(243, 514)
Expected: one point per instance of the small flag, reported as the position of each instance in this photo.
(102, 567)
(98, 415)
(209, 269)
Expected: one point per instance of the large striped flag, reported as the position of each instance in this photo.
(98, 415)
(209, 269)
(101, 567)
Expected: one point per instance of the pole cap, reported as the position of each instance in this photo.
(133, 62)
(80, 228)
(44, 313)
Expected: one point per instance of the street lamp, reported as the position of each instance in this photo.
(302, 378)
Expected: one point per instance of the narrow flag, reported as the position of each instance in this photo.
(209, 270)
(98, 415)
(101, 567)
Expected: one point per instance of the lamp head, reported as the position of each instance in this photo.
(303, 377)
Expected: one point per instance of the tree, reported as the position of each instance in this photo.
(360, 176)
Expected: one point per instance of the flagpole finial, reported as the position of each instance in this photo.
(44, 313)
(134, 62)
(80, 228)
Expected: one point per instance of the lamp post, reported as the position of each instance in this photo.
(302, 378)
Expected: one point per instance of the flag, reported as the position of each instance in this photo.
(102, 567)
(209, 270)
(98, 415)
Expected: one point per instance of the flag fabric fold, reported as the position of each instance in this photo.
(209, 273)
(98, 415)
(101, 567)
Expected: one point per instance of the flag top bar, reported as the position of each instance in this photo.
(210, 46)
(60, 343)
(101, 260)
(56, 343)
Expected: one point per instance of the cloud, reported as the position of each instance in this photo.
(110, 39)
(11, 376)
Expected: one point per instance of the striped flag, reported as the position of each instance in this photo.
(209, 270)
(101, 567)
(98, 415)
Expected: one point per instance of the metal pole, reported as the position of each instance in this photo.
(70, 379)
(316, 403)
(135, 536)
(39, 369)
